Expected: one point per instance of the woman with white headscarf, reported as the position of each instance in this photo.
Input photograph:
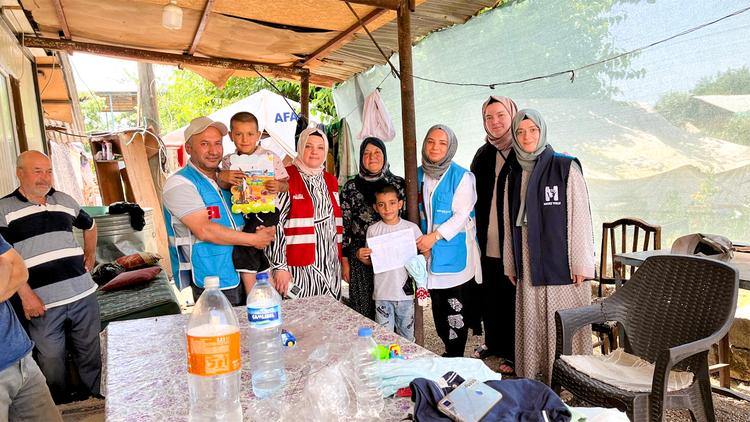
(446, 207)
(307, 249)
(548, 244)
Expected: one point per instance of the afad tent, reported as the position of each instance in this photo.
(274, 117)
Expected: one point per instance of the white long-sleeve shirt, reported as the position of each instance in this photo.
(463, 204)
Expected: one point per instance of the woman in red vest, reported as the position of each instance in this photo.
(307, 249)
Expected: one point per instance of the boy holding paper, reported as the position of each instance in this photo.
(393, 294)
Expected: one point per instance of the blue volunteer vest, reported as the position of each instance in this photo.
(192, 259)
(547, 218)
(447, 256)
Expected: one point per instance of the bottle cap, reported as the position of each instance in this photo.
(211, 282)
(364, 332)
(260, 277)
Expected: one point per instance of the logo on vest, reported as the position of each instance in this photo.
(551, 195)
(298, 196)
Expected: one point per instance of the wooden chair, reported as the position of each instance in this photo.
(625, 233)
(672, 311)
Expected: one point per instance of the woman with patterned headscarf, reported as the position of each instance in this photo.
(446, 212)
(497, 296)
(357, 199)
(548, 244)
(307, 249)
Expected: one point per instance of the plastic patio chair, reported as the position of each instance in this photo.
(672, 310)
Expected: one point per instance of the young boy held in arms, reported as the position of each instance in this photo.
(244, 132)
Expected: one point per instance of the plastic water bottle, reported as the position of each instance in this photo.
(213, 352)
(266, 354)
(369, 397)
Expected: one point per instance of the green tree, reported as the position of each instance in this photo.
(730, 82)
(556, 35)
(187, 94)
(681, 109)
(91, 105)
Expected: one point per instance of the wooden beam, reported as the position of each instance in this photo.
(342, 38)
(15, 89)
(61, 17)
(443, 17)
(160, 57)
(56, 102)
(304, 97)
(380, 4)
(201, 27)
(409, 134)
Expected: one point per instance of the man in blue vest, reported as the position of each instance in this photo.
(24, 395)
(202, 229)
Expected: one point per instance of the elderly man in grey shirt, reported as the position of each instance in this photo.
(59, 300)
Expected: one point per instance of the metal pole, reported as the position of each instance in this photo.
(112, 112)
(409, 134)
(304, 96)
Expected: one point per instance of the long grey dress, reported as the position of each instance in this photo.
(536, 305)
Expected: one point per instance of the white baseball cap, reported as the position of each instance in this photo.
(199, 124)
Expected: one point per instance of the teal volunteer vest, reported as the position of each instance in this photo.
(192, 259)
(448, 256)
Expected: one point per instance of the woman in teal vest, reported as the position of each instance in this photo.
(447, 196)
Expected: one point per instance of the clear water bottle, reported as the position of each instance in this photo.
(266, 354)
(369, 396)
(213, 352)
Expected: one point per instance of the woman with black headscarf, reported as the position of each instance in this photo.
(446, 212)
(497, 295)
(548, 244)
(357, 198)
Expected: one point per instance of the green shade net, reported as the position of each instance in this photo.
(663, 135)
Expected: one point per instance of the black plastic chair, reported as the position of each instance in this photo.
(673, 309)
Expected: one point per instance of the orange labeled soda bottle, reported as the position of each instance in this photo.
(213, 357)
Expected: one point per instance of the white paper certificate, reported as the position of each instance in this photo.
(393, 250)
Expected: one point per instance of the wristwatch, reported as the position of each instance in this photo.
(438, 236)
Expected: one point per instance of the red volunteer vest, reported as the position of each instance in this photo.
(299, 227)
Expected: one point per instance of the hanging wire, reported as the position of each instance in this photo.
(90, 91)
(377, 88)
(570, 72)
(66, 133)
(393, 68)
(51, 74)
(268, 81)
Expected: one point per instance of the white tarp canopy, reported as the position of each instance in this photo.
(274, 116)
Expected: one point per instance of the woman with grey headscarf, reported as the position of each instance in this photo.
(548, 244)
(446, 208)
